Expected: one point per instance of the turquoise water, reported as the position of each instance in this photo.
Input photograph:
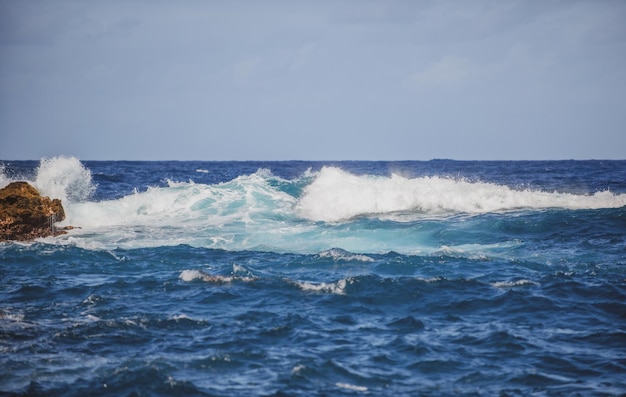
(308, 278)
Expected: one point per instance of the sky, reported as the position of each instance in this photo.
(313, 80)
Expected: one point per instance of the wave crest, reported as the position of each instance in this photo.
(336, 195)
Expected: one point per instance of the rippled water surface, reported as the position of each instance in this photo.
(300, 279)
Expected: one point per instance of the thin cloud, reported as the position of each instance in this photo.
(446, 71)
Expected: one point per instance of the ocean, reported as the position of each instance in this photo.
(298, 278)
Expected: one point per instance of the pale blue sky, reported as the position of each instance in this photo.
(313, 80)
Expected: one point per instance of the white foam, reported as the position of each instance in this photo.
(475, 251)
(239, 269)
(244, 213)
(337, 195)
(92, 319)
(183, 317)
(349, 386)
(185, 203)
(339, 254)
(510, 284)
(191, 275)
(432, 279)
(337, 287)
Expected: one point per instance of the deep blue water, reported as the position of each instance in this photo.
(314, 279)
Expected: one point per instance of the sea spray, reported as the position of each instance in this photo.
(65, 178)
(4, 179)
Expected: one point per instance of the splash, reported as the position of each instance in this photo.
(64, 178)
(4, 179)
(336, 195)
(61, 177)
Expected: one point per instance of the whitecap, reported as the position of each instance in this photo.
(510, 284)
(337, 287)
(432, 279)
(241, 213)
(336, 195)
(339, 254)
(349, 386)
(191, 275)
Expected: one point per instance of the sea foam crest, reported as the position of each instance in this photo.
(337, 195)
(352, 387)
(510, 284)
(338, 254)
(338, 287)
(191, 275)
(248, 212)
(245, 199)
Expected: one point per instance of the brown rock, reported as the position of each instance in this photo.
(26, 215)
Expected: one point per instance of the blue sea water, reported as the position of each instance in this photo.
(319, 279)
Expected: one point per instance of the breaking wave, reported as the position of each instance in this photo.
(336, 195)
(314, 213)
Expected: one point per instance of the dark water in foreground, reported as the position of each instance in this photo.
(300, 279)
